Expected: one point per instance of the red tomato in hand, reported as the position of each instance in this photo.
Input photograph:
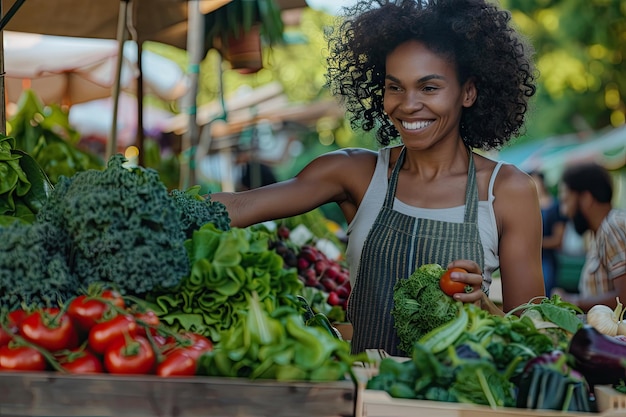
(179, 362)
(105, 333)
(452, 287)
(50, 329)
(21, 358)
(81, 361)
(130, 356)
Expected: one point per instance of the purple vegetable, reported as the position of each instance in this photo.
(600, 358)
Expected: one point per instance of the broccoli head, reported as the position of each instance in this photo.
(420, 305)
(123, 227)
(196, 211)
(33, 268)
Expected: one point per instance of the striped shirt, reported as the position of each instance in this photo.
(606, 257)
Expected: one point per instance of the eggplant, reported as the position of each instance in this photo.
(600, 358)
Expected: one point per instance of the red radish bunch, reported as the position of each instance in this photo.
(315, 269)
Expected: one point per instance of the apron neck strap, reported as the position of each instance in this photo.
(471, 190)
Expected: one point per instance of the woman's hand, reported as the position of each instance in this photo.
(473, 277)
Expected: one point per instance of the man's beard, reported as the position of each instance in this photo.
(580, 222)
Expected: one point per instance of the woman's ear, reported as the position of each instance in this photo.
(469, 93)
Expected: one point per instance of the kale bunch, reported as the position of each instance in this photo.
(123, 227)
(196, 211)
(33, 266)
(420, 305)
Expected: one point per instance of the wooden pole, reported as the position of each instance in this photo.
(195, 48)
(111, 147)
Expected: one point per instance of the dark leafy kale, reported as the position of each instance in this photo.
(123, 227)
(33, 267)
(197, 210)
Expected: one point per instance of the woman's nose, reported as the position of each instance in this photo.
(412, 102)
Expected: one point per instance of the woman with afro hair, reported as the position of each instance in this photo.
(435, 80)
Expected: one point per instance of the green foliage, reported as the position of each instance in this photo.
(123, 226)
(196, 210)
(23, 185)
(420, 305)
(238, 16)
(44, 132)
(226, 268)
(33, 266)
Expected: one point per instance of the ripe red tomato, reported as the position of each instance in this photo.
(452, 287)
(86, 311)
(131, 355)
(104, 333)
(81, 361)
(147, 320)
(179, 362)
(49, 328)
(197, 344)
(113, 297)
(14, 319)
(21, 358)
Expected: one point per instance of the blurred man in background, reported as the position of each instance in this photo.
(586, 193)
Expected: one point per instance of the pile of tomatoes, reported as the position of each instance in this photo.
(97, 334)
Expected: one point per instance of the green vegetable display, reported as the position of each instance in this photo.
(276, 344)
(24, 187)
(474, 358)
(226, 267)
(118, 226)
(123, 227)
(196, 210)
(420, 306)
(33, 266)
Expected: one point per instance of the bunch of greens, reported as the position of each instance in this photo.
(226, 268)
(420, 306)
(23, 185)
(196, 211)
(554, 317)
(425, 376)
(275, 343)
(480, 364)
(119, 226)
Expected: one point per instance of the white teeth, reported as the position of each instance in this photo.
(415, 125)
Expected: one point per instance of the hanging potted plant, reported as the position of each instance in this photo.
(240, 28)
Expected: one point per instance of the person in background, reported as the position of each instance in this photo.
(586, 193)
(553, 231)
(435, 80)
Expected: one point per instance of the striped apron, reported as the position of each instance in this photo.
(396, 245)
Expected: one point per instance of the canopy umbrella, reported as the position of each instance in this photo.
(93, 119)
(156, 20)
(69, 70)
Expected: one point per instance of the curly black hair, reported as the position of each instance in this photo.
(475, 35)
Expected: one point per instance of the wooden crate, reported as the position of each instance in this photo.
(380, 404)
(54, 395)
(374, 403)
(610, 401)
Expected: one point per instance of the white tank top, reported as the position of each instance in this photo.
(374, 197)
